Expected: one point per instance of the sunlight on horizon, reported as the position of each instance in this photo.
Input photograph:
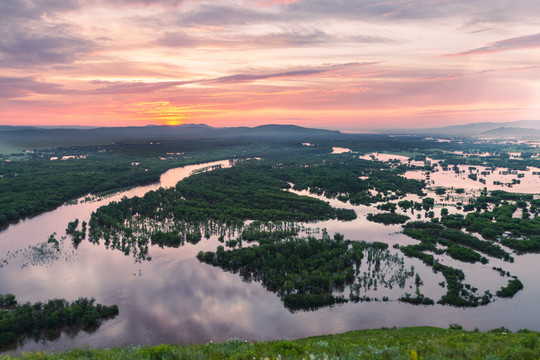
(353, 65)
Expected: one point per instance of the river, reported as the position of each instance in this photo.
(176, 299)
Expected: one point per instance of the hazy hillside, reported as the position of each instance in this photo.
(475, 129)
(513, 132)
(19, 137)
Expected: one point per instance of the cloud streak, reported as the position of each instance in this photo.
(241, 78)
(14, 10)
(119, 87)
(22, 49)
(516, 43)
(138, 87)
(31, 35)
(237, 13)
(13, 87)
(288, 38)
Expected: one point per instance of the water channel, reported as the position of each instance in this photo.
(176, 299)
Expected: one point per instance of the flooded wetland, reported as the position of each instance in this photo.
(184, 272)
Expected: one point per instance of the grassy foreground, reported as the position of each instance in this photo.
(407, 343)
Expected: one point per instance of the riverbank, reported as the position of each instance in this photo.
(405, 343)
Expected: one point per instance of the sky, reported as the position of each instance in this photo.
(336, 64)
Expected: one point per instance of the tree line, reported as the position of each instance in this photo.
(18, 321)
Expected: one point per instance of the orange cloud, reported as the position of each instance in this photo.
(160, 111)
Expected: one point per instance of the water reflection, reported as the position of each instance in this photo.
(175, 298)
(492, 178)
(340, 150)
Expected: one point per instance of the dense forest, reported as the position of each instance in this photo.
(228, 196)
(44, 179)
(37, 180)
(388, 218)
(250, 190)
(33, 181)
(255, 190)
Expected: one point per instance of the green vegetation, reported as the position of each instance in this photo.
(48, 319)
(7, 300)
(35, 183)
(341, 177)
(523, 245)
(72, 225)
(45, 179)
(250, 190)
(464, 254)
(39, 184)
(400, 344)
(440, 191)
(77, 235)
(254, 190)
(419, 299)
(511, 289)
(306, 272)
(499, 224)
(229, 196)
(497, 157)
(219, 198)
(387, 207)
(430, 234)
(52, 240)
(388, 218)
(428, 203)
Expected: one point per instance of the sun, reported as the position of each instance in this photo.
(161, 111)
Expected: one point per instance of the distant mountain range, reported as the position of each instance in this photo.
(523, 128)
(13, 138)
(513, 132)
(164, 131)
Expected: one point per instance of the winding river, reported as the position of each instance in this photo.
(176, 299)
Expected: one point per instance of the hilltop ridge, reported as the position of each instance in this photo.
(519, 128)
(30, 137)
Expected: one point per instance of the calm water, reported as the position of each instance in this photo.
(174, 298)
(340, 150)
(529, 183)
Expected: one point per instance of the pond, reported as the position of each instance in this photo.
(340, 150)
(176, 299)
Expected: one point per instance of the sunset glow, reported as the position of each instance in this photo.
(349, 64)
